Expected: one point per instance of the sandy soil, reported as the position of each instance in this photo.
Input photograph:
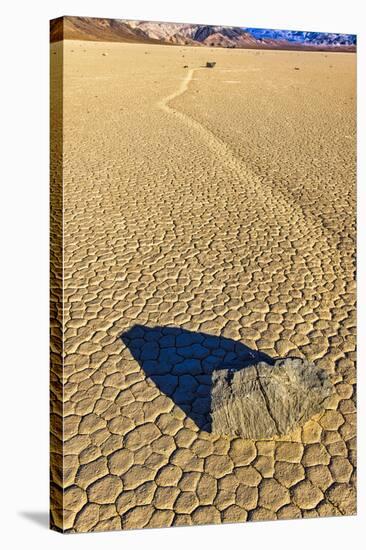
(209, 214)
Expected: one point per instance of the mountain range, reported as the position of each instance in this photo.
(303, 37)
(118, 30)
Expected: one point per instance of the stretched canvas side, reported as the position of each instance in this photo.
(57, 464)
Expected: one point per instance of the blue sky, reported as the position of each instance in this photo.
(301, 36)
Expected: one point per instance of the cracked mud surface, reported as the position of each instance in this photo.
(208, 216)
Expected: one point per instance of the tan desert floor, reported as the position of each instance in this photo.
(220, 201)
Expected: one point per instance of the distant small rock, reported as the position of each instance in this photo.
(296, 68)
(104, 53)
(210, 64)
(262, 400)
(185, 66)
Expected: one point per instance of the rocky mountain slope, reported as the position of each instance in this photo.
(96, 29)
(117, 30)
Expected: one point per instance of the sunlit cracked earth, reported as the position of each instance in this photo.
(208, 220)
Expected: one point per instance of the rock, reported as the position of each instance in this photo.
(210, 64)
(263, 400)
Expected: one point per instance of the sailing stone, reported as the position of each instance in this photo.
(262, 401)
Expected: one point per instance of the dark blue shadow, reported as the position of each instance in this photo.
(181, 363)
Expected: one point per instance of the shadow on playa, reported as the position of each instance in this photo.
(181, 362)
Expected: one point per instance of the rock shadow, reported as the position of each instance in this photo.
(181, 363)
